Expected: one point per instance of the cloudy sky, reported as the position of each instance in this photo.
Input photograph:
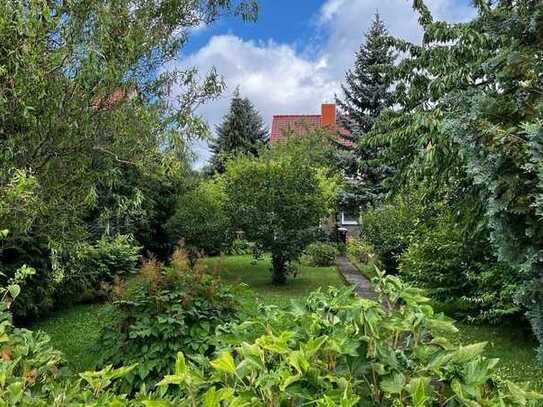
(295, 56)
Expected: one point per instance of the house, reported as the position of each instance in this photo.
(345, 220)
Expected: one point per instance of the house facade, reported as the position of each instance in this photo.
(345, 222)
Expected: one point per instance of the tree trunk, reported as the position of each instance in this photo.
(279, 272)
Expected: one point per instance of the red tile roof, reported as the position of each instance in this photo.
(297, 123)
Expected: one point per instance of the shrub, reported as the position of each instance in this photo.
(90, 269)
(278, 200)
(388, 228)
(82, 272)
(240, 247)
(459, 271)
(334, 349)
(173, 308)
(200, 220)
(360, 250)
(339, 350)
(321, 254)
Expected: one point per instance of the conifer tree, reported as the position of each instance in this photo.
(241, 132)
(366, 93)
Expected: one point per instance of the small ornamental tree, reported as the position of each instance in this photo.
(278, 200)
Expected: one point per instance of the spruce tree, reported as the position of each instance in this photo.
(366, 93)
(242, 131)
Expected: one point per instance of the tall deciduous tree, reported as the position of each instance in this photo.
(241, 132)
(87, 120)
(366, 93)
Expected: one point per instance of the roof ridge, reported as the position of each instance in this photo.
(296, 115)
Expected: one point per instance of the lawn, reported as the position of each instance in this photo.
(74, 331)
(257, 275)
(514, 347)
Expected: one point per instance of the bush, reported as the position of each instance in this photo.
(339, 350)
(321, 254)
(360, 250)
(388, 228)
(174, 308)
(241, 247)
(90, 269)
(79, 273)
(459, 271)
(200, 220)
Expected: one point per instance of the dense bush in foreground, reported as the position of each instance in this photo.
(332, 350)
(173, 308)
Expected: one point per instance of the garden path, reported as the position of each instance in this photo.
(354, 277)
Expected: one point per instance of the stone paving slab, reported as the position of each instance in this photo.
(355, 278)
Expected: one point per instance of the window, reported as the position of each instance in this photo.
(349, 218)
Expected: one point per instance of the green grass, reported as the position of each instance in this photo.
(74, 331)
(512, 346)
(257, 275)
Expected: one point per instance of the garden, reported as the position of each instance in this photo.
(129, 277)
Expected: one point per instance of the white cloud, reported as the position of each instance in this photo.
(278, 80)
(271, 75)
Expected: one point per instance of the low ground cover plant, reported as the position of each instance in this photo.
(337, 349)
(172, 308)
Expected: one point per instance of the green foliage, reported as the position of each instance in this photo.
(332, 349)
(362, 251)
(468, 111)
(240, 247)
(200, 219)
(321, 254)
(174, 308)
(460, 271)
(90, 269)
(84, 272)
(241, 132)
(278, 200)
(336, 349)
(388, 228)
(91, 140)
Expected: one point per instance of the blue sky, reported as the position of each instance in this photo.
(295, 56)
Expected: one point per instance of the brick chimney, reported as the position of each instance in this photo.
(328, 115)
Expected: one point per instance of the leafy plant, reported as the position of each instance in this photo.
(321, 254)
(173, 308)
(360, 250)
(200, 219)
(338, 349)
(389, 227)
(459, 270)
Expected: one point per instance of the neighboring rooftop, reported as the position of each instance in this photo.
(302, 123)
